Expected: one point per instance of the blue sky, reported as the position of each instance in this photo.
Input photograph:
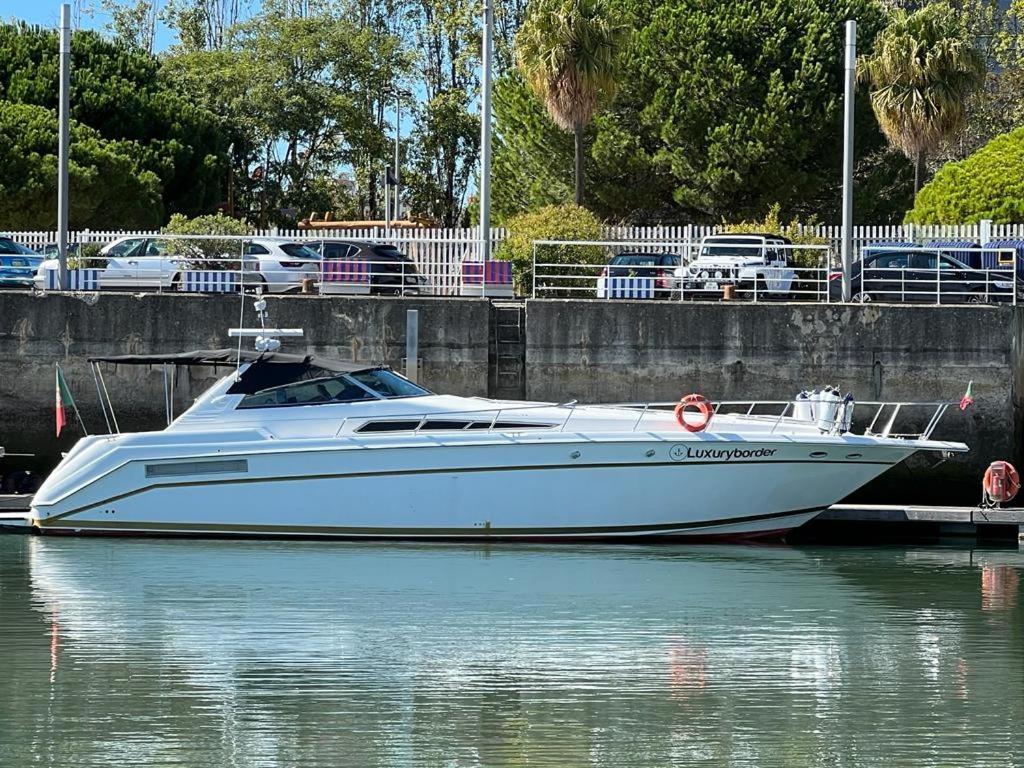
(46, 13)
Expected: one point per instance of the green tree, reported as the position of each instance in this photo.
(731, 107)
(567, 52)
(988, 184)
(133, 23)
(293, 91)
(922, 73)
(109, 188)
(119, 92)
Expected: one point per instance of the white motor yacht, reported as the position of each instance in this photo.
(288, 445)
(293, 445)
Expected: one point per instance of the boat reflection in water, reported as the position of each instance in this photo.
(274, 653)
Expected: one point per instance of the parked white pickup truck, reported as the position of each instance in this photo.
(760, 262)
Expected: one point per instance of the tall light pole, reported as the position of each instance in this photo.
(398, 138)
(851, 80)
(62, 144)
(485, 134)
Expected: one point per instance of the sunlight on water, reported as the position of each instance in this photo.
(210, 653)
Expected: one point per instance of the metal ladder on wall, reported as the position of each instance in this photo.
(507, 378)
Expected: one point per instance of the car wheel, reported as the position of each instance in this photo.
(176, 282)
(861, 298)
(977, 297)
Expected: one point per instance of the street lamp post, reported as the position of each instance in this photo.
(485, 134)
(63, 140)
(851, 74)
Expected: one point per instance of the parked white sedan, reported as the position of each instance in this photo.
(277, 264)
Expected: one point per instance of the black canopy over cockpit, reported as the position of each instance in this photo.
(268, 369)
(276, 378)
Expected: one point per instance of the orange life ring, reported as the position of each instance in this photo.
(704, 412)
(1001, 481)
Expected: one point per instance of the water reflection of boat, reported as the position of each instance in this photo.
(377, 654)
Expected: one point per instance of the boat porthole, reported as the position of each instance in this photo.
(819, 455)
(854, 455)
(649, 453)
(574, 455)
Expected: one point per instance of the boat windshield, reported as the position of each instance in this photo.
(317, 387)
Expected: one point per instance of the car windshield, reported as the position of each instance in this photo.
(123, 248)
(9, 246)
(733, 247)
(317, 386)
(300, 251)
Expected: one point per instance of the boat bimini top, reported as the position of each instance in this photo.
(268, 379)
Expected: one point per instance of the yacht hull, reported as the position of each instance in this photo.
(544, 489)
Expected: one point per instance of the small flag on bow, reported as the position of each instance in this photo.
(64, 401)
(967, 401)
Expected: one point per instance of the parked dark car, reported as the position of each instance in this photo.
(663, 267)
(18, 264)
(389, 267)
(904, 275)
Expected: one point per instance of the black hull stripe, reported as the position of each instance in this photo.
(442, 471)
(438, 532)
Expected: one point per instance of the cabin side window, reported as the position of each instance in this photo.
(317, 386)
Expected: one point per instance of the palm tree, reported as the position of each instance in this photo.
(922, 72)
(566, 50)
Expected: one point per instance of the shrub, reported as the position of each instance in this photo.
(988, 184)
(552, 222)
(772, 224)
(87, 257)
(206, 254)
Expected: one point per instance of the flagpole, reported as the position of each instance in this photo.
(78, 413)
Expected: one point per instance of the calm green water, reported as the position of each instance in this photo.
(191, 653)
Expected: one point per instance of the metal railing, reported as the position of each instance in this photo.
(680, 271)
(874, 418)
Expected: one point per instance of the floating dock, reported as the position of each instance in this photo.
(906, 521)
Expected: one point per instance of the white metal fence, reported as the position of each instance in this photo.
(441, 240)
(440, 256)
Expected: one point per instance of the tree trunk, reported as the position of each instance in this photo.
(919, 171)
(578, 133)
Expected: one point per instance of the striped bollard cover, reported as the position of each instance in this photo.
(491, 278)
(208, 281)
(345, 276)
(78, 280)
(631, 287)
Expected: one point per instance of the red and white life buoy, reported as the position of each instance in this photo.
(1001, 481)
(703, 414)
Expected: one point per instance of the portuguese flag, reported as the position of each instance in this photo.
(64, 401)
